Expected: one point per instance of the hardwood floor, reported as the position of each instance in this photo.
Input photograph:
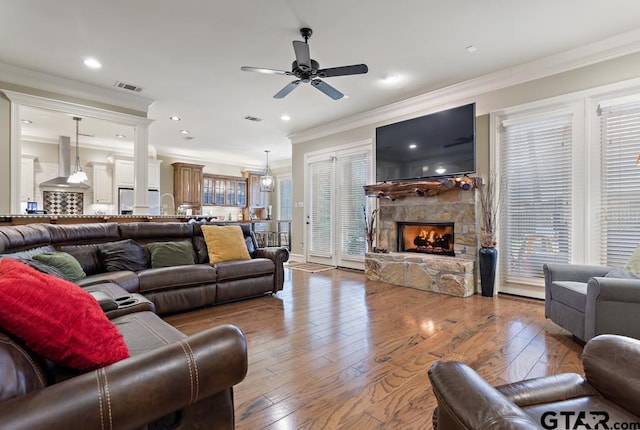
(334, 351)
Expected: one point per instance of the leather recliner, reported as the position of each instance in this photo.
(608, 395)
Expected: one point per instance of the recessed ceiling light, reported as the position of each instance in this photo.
(413, 146)
(175, 118)
(285, 117)
(26, 121)
(389, 79)
(92, 63)
(471, 48)
(440, 170)
(184, 131)
(120, 136)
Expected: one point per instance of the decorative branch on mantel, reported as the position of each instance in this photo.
(392, 191)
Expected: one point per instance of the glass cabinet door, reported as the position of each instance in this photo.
(219, 192)
(207, 191)
(241, 193)
(231, 193)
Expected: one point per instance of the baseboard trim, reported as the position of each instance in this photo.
(297, 257)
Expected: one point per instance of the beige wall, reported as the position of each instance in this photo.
(612, 71)
(5, 155)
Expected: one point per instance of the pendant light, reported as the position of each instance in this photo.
(78, 175)
(266, 180)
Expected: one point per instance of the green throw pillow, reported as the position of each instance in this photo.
(64, 262)
(167, 254)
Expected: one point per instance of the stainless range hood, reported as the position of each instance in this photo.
(64, 168)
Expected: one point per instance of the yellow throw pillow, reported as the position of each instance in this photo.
(225, 243)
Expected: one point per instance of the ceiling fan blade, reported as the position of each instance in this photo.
(356, 69)
(302, 54)
(327, 89)
(263, 70)
(286, 90)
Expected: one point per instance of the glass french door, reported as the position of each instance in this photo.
(336, 204)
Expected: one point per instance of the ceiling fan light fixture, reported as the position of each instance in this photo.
(78, 176)
(266, 180)
(308, 71)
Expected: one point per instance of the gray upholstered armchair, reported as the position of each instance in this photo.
(584, 301)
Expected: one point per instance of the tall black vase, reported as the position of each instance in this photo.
(487, 259)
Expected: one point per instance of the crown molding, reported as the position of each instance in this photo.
(607, 49)
(67, 87)
(18, 98)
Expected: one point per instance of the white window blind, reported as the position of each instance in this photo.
(285, 196)
(620, 182)
(354, 175)
(321, 188)
(537, 199)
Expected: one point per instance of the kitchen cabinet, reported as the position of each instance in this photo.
(187, 185)
(220, 190)
(255, 197)
(153, 182)
(102, 183)
(124, 173)
(27, 178)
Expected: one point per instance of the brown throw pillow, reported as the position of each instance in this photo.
(225, 243)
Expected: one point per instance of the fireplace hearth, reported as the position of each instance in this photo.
(426, 237)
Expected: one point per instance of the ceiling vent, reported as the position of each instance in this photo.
(129, 87)
(252, 118)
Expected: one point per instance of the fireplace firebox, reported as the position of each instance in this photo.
(426, 237)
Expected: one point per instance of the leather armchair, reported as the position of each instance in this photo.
(182, 385)
(608, 394)
(580, 299)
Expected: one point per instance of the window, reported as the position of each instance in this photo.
(620, 182)
(354, 172)
(572, 190)
(285, 204)
(536, 216)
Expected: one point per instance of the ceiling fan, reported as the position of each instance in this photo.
(308, 70)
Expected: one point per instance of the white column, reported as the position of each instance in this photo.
(141, 170)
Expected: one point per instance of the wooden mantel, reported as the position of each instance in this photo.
(422, 188)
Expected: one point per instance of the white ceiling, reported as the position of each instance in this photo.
(187, 54)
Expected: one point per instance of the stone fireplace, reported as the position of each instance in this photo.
(452, 212)
(426, 237)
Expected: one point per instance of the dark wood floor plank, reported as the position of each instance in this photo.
(334, 351)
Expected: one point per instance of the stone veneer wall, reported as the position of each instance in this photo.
(440, 274)
(457, 205)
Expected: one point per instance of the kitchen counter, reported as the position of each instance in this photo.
(268, 232)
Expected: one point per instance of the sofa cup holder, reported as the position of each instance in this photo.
(126, 301)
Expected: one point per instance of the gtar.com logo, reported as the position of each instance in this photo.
(583, 420)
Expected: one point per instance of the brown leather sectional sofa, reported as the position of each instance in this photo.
(170, 289)
(170, 381)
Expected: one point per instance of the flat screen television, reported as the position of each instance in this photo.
(441, 144)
